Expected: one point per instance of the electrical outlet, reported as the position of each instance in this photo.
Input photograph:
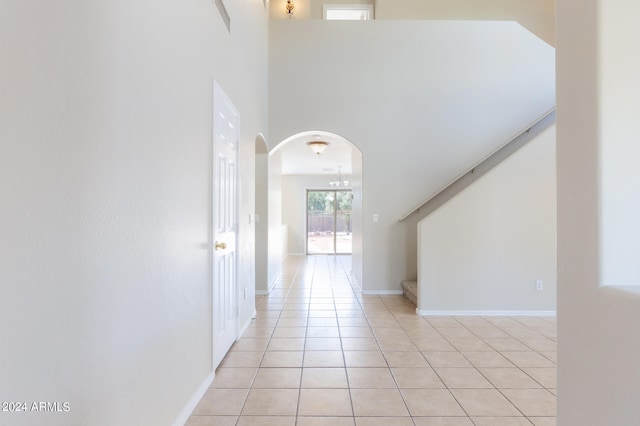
(539, 285)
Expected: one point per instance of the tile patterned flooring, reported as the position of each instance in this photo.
(320, 354)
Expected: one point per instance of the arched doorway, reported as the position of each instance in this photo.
(294, 169)
(261, 213)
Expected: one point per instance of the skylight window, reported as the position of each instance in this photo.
(348, 12)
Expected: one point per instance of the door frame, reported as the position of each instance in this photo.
(218, 92)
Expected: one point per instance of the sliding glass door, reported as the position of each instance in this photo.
(329, 221)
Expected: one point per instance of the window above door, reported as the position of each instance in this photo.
(348, 12)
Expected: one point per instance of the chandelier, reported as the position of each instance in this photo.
(339, 180)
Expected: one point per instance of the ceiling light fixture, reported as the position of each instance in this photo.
(317, 146)
(339, 181)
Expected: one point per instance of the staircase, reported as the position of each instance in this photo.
(476, 171)
(410, 291)
(436, 200)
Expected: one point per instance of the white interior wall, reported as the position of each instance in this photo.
(417, 125)
(484, 250)
(357, 224)
(106, 171)
(306, 9)
(619, 148)
(275, 234)
(598, 333)
(538, 16)
(262, 223)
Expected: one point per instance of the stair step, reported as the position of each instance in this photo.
(410, 291)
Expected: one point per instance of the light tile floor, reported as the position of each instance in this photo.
(319, 353)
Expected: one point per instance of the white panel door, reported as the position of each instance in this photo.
(225, 224)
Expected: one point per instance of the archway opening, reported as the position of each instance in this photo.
(294, 169)
(261, 216)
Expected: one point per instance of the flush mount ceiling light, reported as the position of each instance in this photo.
(317, 146)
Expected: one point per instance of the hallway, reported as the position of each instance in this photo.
(320, 354)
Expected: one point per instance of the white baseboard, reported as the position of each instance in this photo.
(186, 412)
(273, 283)
(382, 292)
(487, 313)
(245, 326)
(270, 287)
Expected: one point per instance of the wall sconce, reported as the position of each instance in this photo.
(290, 7)
(317, 146)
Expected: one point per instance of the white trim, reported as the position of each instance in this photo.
(487, 313)
(245, 326)
(382, 292)
(273, 283)
(219, 93)
(186, 412)
(629, 288)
